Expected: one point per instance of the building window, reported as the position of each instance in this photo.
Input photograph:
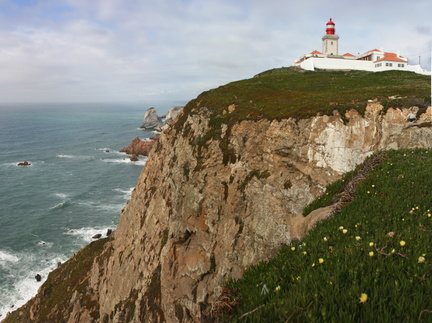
(389, 64)
(401, 65)
(331, 43)
(378, 57)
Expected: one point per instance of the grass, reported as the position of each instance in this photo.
(370, 262)
(286, 92)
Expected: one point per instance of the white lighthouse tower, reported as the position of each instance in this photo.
(330, 40)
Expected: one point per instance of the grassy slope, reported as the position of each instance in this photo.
(389, 230)
(285, 92)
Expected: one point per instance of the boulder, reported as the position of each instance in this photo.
(24, 163)
(133, 158)
(139, 147)
(38, 277)
(151, 120)
(109, 231)
(97, 236)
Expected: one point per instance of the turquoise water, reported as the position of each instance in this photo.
(76, 185)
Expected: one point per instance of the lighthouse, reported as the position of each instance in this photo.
(330, 40)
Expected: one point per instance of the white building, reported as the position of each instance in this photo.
(374, 60)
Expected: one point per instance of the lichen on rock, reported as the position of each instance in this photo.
(216, 197)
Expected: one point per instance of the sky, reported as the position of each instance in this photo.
(156, 50)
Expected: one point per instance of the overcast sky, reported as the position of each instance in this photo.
(150, 50)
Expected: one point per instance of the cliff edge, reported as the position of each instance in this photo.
(221, 190)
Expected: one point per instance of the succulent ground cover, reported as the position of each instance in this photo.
(287, 92)
(370, 262)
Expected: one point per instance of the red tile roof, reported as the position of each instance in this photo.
(372, 50)
(348, 54)
(316, 52)
(391, 57)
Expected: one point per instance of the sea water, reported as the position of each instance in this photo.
(75, 187)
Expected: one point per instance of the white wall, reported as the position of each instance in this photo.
(341, 64)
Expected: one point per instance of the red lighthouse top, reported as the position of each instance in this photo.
(330, 30)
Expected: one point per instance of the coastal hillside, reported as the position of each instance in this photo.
(225, 187)
(372, 261)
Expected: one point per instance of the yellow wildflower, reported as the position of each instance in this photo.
(371, 244)
(358, 238)
(320, 260)
(421, 259)
(393, 251)
(292, 248)
(402, 243)
(304, 252)
(278, 288)
(363, 298)
(325, 238)
(344, 231)
(371, 253)
(341, 228)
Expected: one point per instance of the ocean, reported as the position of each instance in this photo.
(75, 187)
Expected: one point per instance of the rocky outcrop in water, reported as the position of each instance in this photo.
(140, 147)
(151, 120)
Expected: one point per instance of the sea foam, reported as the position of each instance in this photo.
(6, 257)
(86, 234)
(23, 267)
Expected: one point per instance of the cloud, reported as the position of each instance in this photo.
(102, 50)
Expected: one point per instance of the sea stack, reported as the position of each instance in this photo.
(151, 120)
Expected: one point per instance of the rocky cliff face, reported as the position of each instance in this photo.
(204, 209)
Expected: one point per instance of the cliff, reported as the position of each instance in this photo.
(219, 192)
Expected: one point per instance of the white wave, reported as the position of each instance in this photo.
(103, 206)
(126, 193)
(59, 205)
(65, 156)
(104, 149)
(25, 286)
(140, 162)
(86, 234)
(6, 257)
(45, 244)
(74, 156)
(61, 195)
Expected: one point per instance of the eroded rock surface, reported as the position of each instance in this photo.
(139, 147)
(203, 211)
(151, 120)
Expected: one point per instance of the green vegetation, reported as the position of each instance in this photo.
(370, 262)
(287, 92)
